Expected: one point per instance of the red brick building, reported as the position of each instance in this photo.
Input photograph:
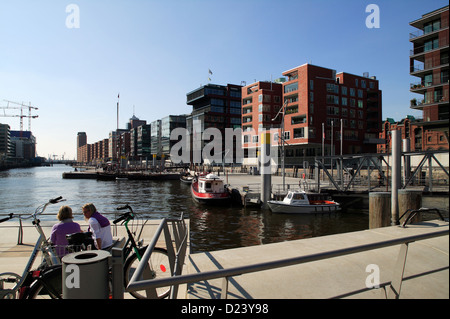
(429, 64)
(261, 102)
(318, 98)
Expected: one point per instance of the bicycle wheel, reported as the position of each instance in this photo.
(158, 267)
(48, 286)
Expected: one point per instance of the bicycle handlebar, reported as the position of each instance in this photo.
(123, 217)
(55, 200)
(7, 218)
(124, 207)
(37, 212)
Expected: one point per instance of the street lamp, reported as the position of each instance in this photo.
(282, 111)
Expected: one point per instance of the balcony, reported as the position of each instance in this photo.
(421, 87)
(422, 34)
(418, 105)
(422, 49)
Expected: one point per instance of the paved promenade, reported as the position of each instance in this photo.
(426, 273)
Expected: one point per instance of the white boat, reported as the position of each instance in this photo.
(300, 202)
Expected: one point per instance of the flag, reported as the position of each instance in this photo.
(210, 72)
(118, 95)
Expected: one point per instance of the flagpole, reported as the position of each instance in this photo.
(323, 147)
(118, 96)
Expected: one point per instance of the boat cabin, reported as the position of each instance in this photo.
(210, 184)
(296, 198)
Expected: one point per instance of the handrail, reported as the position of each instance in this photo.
(136, 284)
(414, 212)
(176, 258)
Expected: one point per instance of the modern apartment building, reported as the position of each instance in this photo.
(429, 64)
(261, 102)
(213, 105)
(4, 141)
(24, 144)
(81, 141)
(168, 124)
(317, 101)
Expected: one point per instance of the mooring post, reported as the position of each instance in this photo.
(396, 174)
(266, 171)
(406, 146)
(409, 199)
(379, 209)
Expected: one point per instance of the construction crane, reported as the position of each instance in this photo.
(21, 108)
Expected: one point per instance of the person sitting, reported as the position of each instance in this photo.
(64, 227)
(100, 227)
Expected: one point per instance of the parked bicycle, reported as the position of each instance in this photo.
(158, 265)
(43, 280)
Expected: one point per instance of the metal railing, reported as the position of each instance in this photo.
(393, 291)
(178, 237)
(21, 226)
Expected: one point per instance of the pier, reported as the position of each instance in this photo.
(391, 262)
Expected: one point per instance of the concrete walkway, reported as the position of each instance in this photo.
(426, 274)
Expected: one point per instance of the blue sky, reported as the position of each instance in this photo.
(154, 52)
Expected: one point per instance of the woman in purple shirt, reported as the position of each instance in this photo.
(64, 227)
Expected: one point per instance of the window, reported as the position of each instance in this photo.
(360, 104)
(431, 44)
(356, 82)
(260, 98)
(290, 87)
(344, 101)
(371, 85)
(352, 92)
(360, 94)
(332, 99)
(217, 109)
(431, 26)
(299, 132)
(311, 108)
(311, 84)
(344, 112)
(444, 76)
(363, 84)
(352, 102)
(428, 80)
(344, 90)
(255, 139)
(287, 135)
(218, 102)
(311, 96)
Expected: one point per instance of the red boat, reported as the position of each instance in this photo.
(210, 189)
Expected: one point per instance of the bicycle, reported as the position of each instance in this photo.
(132, 253)
(44, 279)
(158, 265)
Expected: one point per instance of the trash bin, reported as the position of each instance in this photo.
(85, 275)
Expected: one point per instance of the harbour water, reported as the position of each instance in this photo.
(211, 228)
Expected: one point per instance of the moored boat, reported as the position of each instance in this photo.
(300, 202)
(187, 179)
(210, 189)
